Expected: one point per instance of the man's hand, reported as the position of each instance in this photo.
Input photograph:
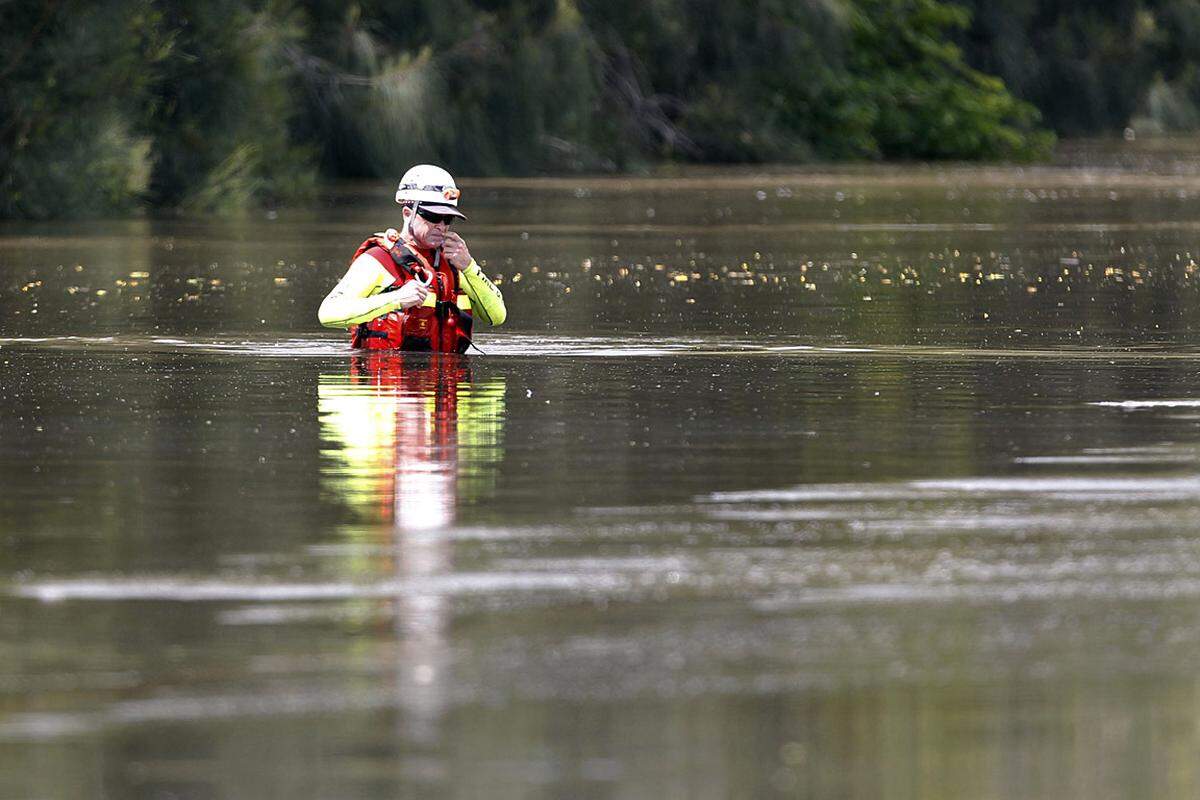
(456, 251)
(411, 294)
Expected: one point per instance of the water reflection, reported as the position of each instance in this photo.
(393, 427)
(408, 437)
(813, 485)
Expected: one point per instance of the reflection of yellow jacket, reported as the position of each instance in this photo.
(416, 433)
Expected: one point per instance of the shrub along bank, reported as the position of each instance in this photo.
(107, 106)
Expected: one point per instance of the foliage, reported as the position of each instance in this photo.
(110, 105)
(750, 81)
(1088, 66)
(487, 87)
(69, 76)
(521, 87)
(924, 101)
(220, 105)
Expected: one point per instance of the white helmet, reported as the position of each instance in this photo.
(430, 187)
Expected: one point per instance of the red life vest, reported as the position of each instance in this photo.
(442, 324)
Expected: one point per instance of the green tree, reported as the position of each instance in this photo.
(71, 81)
(488, 86)
(923, 100)
(220, 107)
(1087, 66)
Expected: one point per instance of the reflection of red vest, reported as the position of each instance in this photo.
(426, 433)
(440, 325)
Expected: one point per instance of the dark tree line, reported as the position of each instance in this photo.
(111, 105)
(1094, 67)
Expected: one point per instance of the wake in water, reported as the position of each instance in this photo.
(628, 346)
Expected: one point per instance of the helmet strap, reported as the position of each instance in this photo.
(406, 229)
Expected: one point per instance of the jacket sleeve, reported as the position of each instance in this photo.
(357, 296)
(486, 300)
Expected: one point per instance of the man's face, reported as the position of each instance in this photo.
(426, 234)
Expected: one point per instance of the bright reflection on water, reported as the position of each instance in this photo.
(689, 528)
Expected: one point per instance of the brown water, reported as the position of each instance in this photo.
(868, 483)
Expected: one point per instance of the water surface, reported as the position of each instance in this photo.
(875, 482)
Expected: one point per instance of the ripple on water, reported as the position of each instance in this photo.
(325, 345)
(1130, 488)
(1136, 404)
(179, 590)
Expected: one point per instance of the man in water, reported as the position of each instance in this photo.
(417, 288)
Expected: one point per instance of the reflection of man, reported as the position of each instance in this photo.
(408, 437)
(417, 288)
(412, 435)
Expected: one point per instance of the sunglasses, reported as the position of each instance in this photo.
(435, 219)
